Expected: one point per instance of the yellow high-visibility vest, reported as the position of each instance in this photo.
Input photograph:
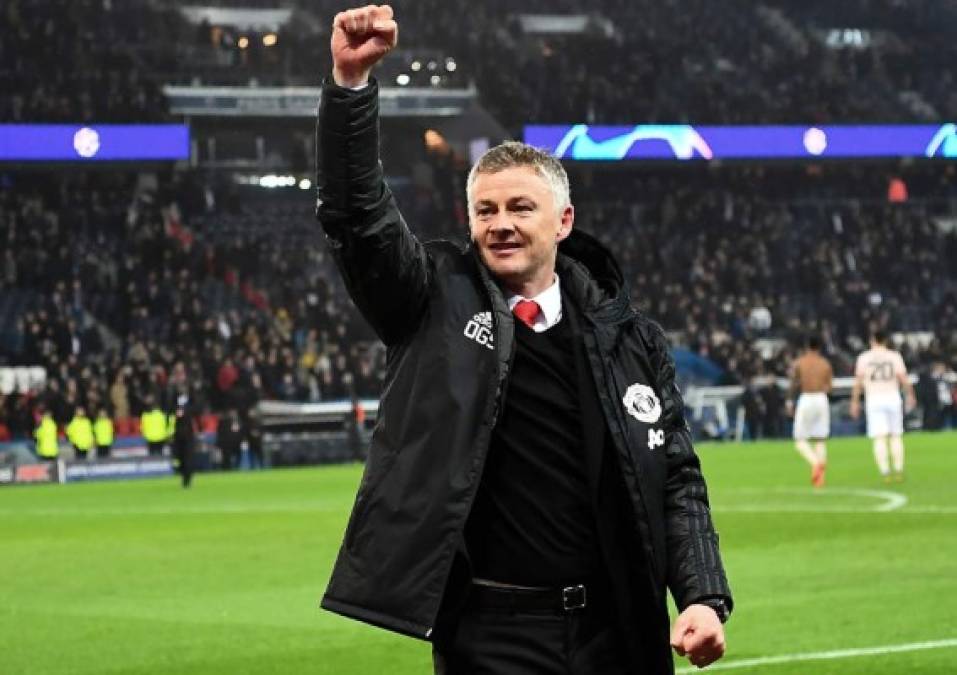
(153, 426)
(80, 432)
(46, 438)
(103, 431)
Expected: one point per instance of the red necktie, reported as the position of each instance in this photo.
(527, 311)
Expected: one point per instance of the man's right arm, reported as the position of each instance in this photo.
(385, 268)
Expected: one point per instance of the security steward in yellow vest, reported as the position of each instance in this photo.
(103, 434)
(45, 434)
(154, 428)
(80, 433)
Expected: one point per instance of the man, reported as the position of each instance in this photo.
(229, 439)
(184, 425)
(48, 448)
(811, 378)
(80, 433)
(103, 433)
(881, 373)
(531, 489)
(153, 426)
(254, 438)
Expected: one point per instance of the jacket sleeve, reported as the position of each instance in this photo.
(694, 571)
(385, 268)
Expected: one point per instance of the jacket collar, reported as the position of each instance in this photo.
(593, 278)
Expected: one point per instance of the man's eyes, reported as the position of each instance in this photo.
(520, 208)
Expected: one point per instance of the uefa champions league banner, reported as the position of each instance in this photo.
(99, 142)
(688, 142)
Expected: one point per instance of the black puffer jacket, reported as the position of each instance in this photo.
(450, 340)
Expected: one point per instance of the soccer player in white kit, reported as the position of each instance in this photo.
(881, 373)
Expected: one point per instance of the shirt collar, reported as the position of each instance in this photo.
(549, 301)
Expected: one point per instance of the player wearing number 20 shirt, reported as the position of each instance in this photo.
(881, 373)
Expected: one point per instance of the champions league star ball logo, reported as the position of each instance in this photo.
(86, 142)
(642, 403)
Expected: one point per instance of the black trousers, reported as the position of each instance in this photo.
(511, 642)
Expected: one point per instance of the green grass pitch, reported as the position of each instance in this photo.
(144, 577)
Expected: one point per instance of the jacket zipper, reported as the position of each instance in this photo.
(501, 391)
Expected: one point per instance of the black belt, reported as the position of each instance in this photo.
(550, 600)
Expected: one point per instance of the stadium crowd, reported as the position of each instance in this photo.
(121, 305)
(634, 60)
(126, 290)
(71, 61)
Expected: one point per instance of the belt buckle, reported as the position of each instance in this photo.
(573, 597)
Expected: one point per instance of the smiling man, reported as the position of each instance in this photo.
(531, 490)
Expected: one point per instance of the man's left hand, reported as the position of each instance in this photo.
(699, 635)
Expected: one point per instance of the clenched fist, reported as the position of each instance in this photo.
(360, 38)
(699, 635)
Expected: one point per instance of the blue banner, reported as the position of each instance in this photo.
(99, 142)
(115, 469)
(687, 142)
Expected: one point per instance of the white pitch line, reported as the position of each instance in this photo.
(910, 510)
(823, 656)
(892, 501)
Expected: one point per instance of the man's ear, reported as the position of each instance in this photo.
(567, 221)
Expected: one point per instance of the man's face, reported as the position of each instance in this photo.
(516, 226)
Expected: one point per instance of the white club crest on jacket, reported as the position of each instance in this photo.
(642, 403)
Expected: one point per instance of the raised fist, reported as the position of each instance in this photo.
(360, 38)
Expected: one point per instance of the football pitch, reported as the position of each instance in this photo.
(144, 577)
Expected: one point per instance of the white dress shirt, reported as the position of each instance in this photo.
(550, 303)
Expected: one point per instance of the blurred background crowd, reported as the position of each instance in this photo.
(127, 284)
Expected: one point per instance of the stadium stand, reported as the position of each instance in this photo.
(245, 299)
(121, 281)
(694, 60)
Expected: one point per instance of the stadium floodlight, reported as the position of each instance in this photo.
(270, 40)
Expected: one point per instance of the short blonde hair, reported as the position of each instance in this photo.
(513, 154)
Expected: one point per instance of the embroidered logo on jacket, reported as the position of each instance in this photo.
(642, 403)
(656, 438)
(479, 328)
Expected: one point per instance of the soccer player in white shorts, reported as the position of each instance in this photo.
(812, 375)
(881, 373)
